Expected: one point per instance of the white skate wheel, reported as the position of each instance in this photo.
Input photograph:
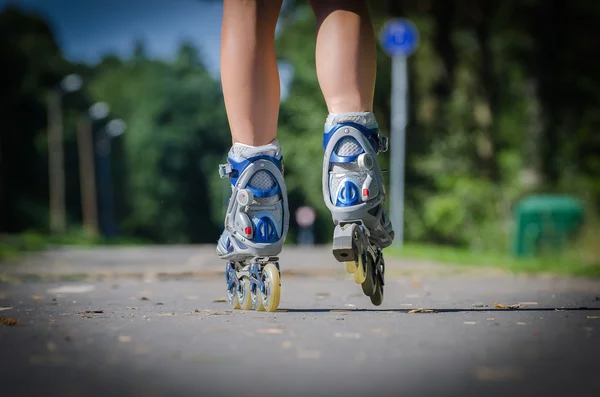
(365, 161)
(270, 277)
(244, 197)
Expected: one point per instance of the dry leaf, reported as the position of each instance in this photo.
(270, 331)
(421, 311)
(9, 321)
(92, 312)
(197, 311)
(501, 306)
(415, 283)
(220, 300)
(282, 310)
(351, 335)
(479, 305)
(37, 298)
(124, 338)
(51, 346)
(144, 298)
(593, 316)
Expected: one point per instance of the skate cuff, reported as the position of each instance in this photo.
(225, 170)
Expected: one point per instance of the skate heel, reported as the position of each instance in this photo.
(344, 249)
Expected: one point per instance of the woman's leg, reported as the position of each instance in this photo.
(257, 217)
(345, 53)
(353, 186)
(249, 69)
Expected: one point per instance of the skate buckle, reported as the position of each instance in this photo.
(383, 143)
(225, 170)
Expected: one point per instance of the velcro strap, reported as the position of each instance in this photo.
(225, 170)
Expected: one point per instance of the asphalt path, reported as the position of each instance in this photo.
(152, 321)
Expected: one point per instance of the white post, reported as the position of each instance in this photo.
(399, 107)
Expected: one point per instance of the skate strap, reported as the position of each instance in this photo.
(379, 142)
(225, 170)
(233, 169)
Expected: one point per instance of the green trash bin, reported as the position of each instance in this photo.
(545, 223)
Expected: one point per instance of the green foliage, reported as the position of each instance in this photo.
(177, 134)
(504, 102)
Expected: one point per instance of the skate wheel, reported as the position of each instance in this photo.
(369, 285)
(377, 297)
(232, 295)
(271, 280)
(350, 266)
(257, 298)
(360, 273)
(244, 296)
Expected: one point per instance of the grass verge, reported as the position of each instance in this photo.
(12, 245)
(567, 264)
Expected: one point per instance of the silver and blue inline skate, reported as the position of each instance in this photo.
(256, 226)
(354, 191)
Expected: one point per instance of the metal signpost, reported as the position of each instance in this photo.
(399, 38)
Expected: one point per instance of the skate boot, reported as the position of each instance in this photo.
(256, 226)
(354, 192)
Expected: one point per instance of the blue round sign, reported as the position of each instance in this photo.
(399, 37)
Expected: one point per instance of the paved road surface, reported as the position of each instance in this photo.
(163, 330)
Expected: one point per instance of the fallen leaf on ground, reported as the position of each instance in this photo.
(72, 289)
(469, 322)
(9, 321)
(92, 312)
(124, 338)
(270, 331)
(159, 303)
(220, 300)
(479, 305)
(421, 311)
(490, 319)
(496, 374)
(282, 310)
(286, 345)
(501, 306)
(144, 298)
(132, 308)
(593, 316)
(351, 335)
(197, 311)
(36, 298)
(415, 283)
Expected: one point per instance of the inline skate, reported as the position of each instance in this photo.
(354, 192)
(256, 226)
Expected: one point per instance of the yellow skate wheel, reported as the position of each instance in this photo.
(270, 277)
(244, 296)
(350, 267)
(360, 274)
